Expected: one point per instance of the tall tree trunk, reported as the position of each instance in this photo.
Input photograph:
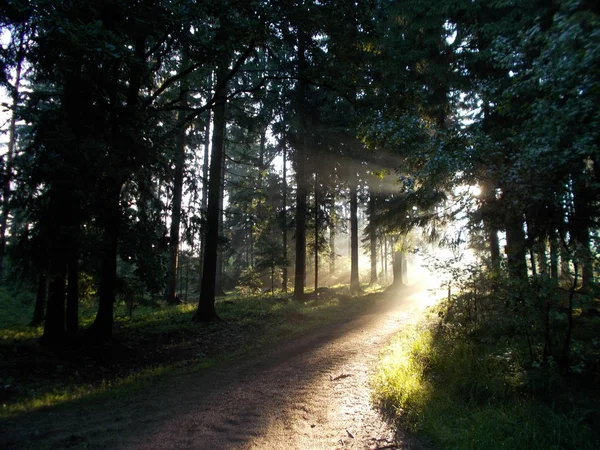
(284, 237)
(101, 329)
(373, 239)
(399, 271)
(332, 255)
(316, 230)
(491, 228)
(354, 277)
(540, 248)
(302, 188)
(386, 257)
(40, 301)
(219, 292)
(110, 218)
(494, 244)
(206, 303)
(554, 254)
(580, 229)
(204, 201)
(58, 232)
(12, 138)
(382, 256)
(515, 246)
(72, 312)
(179, 160)
(54, 325)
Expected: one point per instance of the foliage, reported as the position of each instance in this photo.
(465, 395)
(249, 282)
(495, 352)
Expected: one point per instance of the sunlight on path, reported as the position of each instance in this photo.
(332, 410)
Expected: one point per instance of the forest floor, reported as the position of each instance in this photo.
(309, 393)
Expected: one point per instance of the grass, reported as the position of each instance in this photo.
(154, 343)
(463, 396)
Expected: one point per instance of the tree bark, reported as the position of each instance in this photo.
(316, 230)
(354, 277)
(10, 151)
(204, 201)
(72, 313)
(332, 255)
(40, 301)
(219, 292)
(542, 257)
(58, 248)
(554, 254)
(302, 188)
(54, 325)
(206, 303)
(515, 247)
(373, 239)
(580, 229)
(284, 271)
(101, 329)
(399, 271)
(179, 160)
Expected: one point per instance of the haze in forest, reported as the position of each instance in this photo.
(194, 159)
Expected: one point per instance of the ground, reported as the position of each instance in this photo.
(311, 393)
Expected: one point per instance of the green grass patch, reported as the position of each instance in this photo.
(466, 396)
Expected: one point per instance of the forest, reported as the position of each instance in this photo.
(173, 154)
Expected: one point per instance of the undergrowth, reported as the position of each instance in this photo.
(468, 378)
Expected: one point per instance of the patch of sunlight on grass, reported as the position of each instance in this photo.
(400, 386)
(20, 333)
(463, 398)
(105, 390)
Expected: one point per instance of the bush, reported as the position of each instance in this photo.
(250, 282)
(468, 386)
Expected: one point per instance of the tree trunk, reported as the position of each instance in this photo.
(284, 274)
(206, 303)
(204, 201)
(316, 230)
(554, 254)
(399, 271)
(219, 292)
(54, 326)
(72, 313)
(354, 277)
(10, 151)
(302, 188)
(373, 239)
(580, 229)
(101, 329)
(58, 248)
(382, 256)
(171, 287)
(491, 228)
(386, 258)
(332, 255)
(40, 301)
(540, 248)
(515, 247)
(494, 244)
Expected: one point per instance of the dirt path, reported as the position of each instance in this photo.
(312, 393)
